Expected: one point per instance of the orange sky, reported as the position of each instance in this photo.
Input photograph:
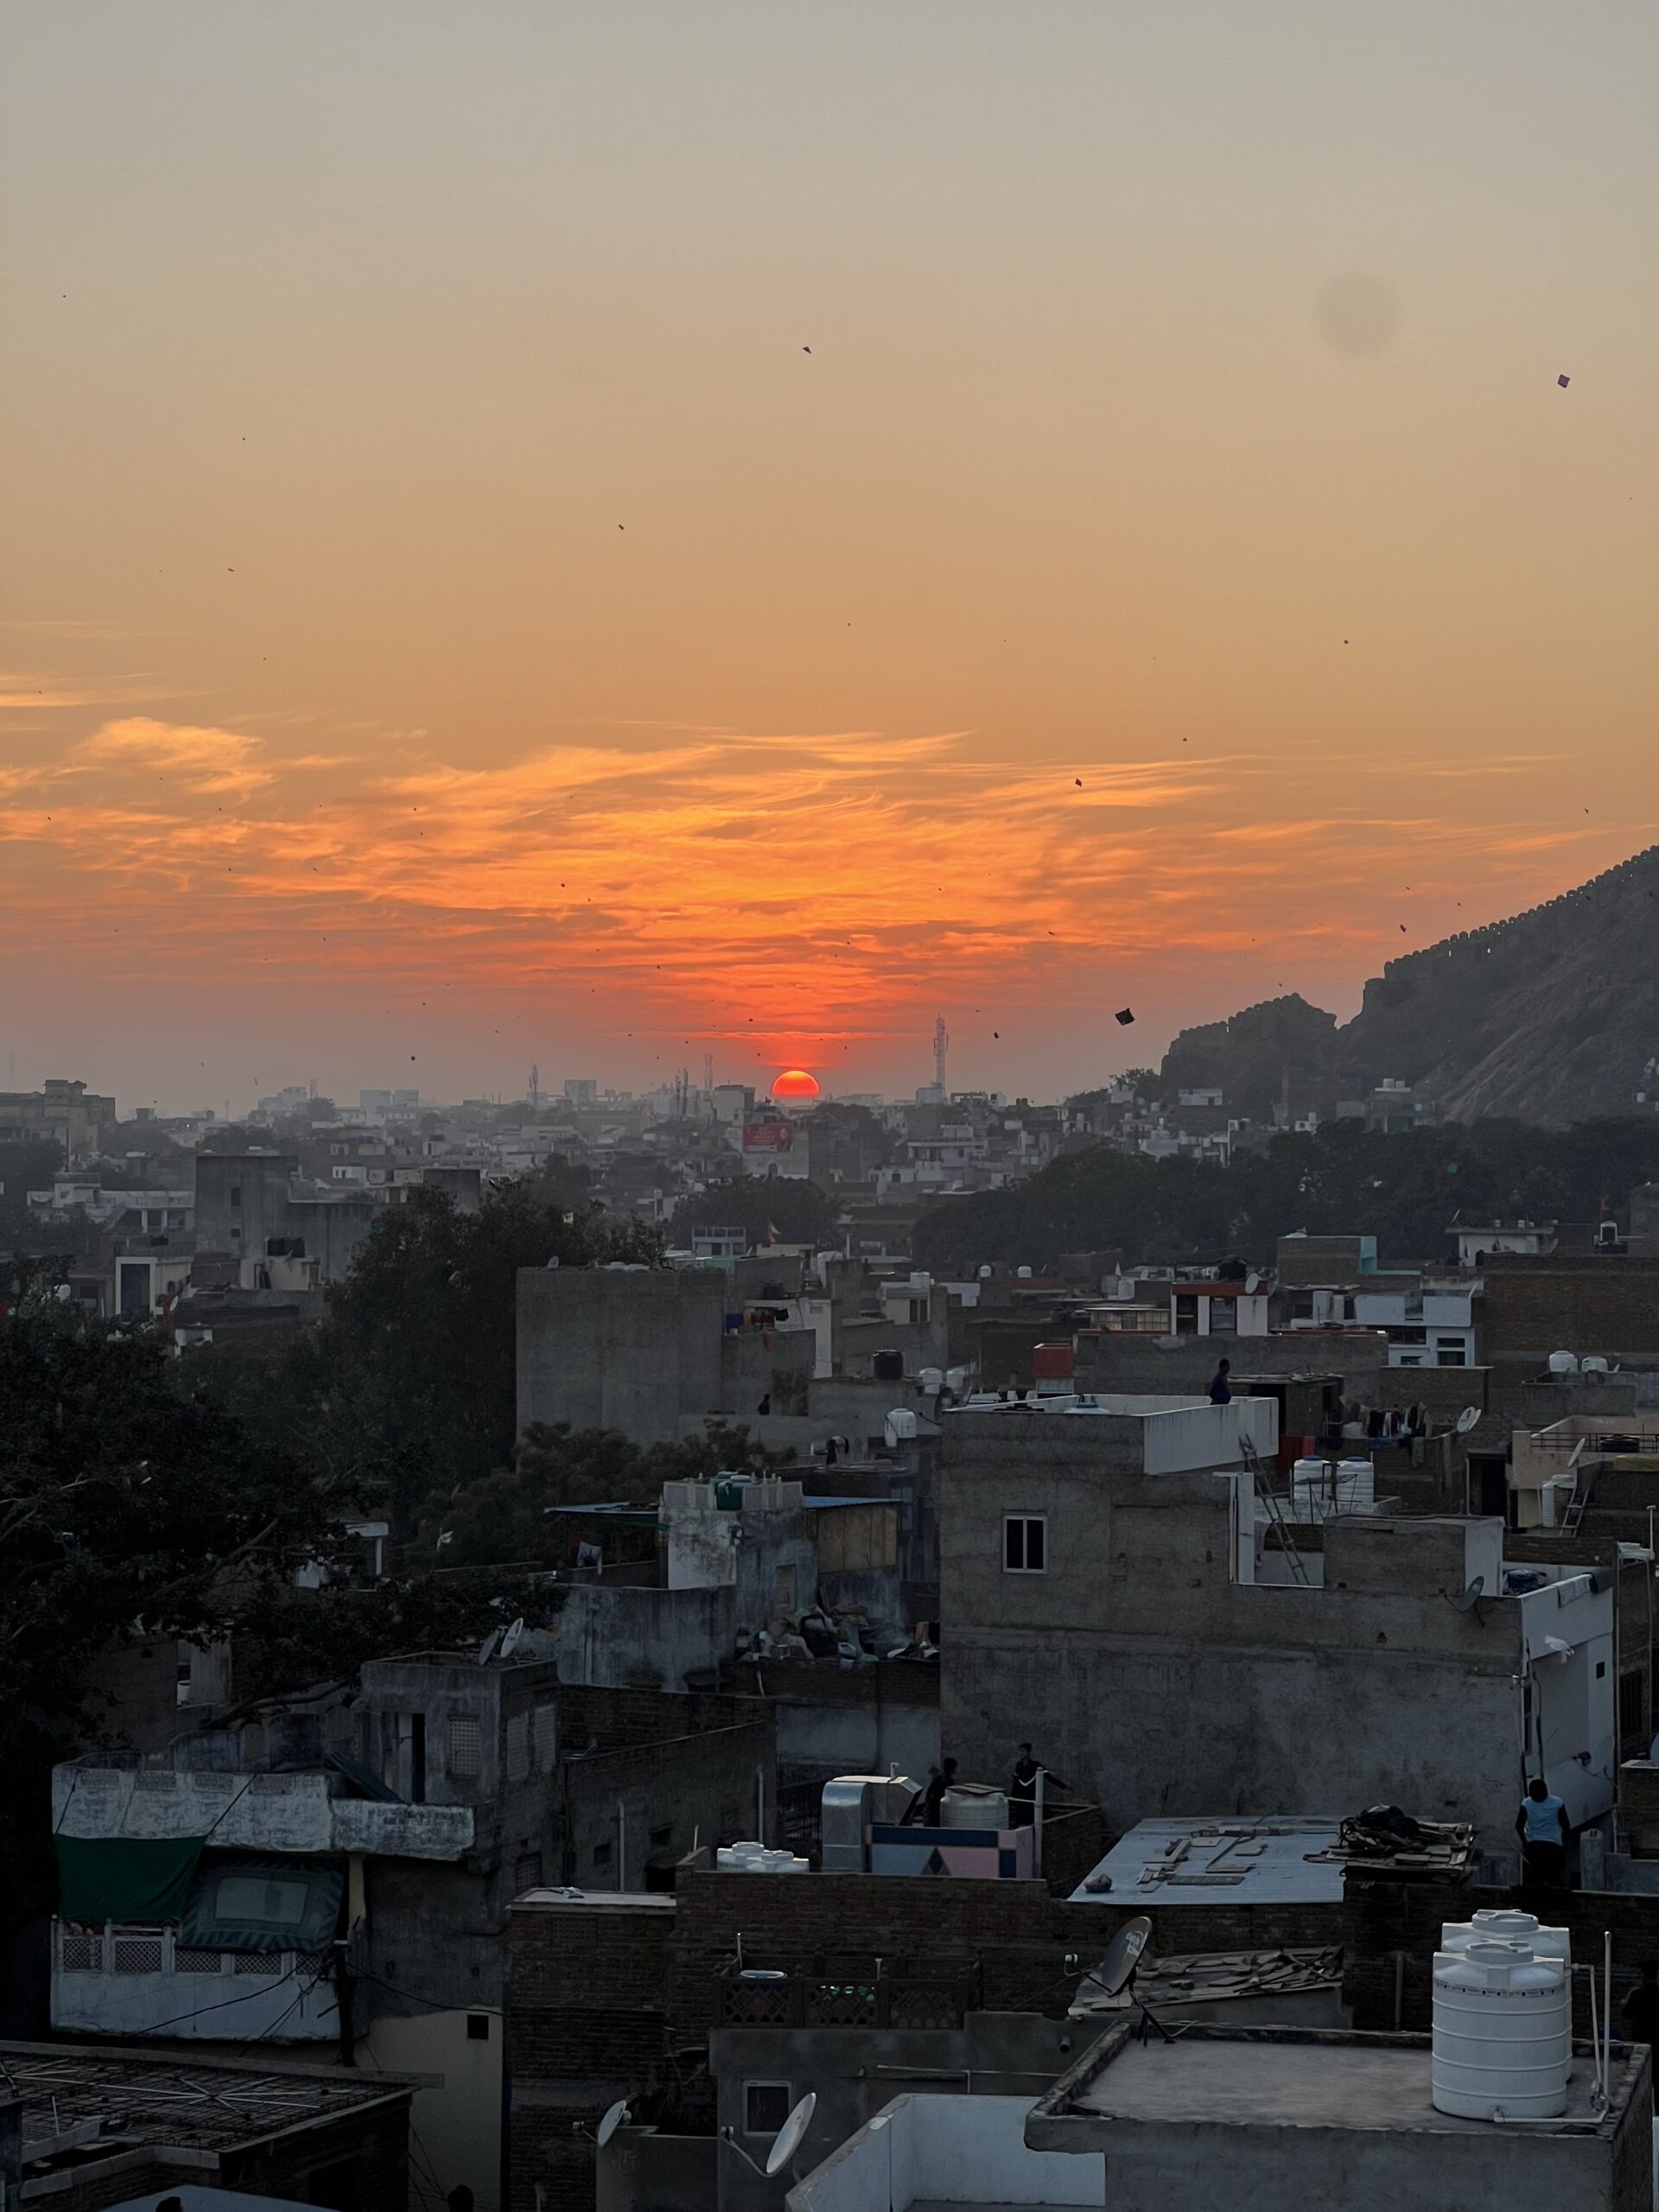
(451, 620)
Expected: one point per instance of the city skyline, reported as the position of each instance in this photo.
(598, 538)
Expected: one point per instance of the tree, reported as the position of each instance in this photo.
(409, 1383)
(770, 1208)
(123, 1505)
(502, 1519)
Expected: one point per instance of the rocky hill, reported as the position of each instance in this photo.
(1550, 1017)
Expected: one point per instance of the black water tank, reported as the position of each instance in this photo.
(887, 1366)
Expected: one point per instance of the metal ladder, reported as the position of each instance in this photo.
(1580, 1497)
(1264, 1491)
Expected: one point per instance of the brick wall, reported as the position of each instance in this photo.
(586, 2025)
(1381, 1916)
(1019, 1933)
(617, 1716)
(1605, 1303)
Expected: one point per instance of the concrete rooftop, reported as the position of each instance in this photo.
(1226, 1861)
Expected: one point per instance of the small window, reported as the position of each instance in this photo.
(601, 1854)
(1025, 1544)
(236, 1194)
(1451, 1355)
(527, 1871)
(661, 1838)
(766, 2107)
(466, 1747)
(477, 2027)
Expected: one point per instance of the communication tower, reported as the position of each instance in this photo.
(941, 1042)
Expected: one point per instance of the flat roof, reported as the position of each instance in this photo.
(574, 1900)
(1277, 2077)
(206, 2104)
(1268, 1860)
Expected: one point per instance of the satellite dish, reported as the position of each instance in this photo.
(1250, 1282)
(617, 2116)
(792, 2134)
(1466, 1600)
(1467, 1419)
(486, 1649)
(1123, 1955)
(509, 1641)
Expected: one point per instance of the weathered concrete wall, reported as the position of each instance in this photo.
(859, 1738)
(664, 1796)
(459, 2124)
(1154, 1683)
(604, 1349)
(276, 1812)
(639, 2170)
(1110, 1361)
(856, 2072)
(653, 1638)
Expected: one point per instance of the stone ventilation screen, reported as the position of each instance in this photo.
(466, 1747)
(519, 1747)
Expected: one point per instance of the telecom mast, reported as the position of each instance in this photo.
(941, 1040)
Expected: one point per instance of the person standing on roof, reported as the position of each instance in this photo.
(1221, 1390)
(1542, 1824)
(927, 1806)
(1022, 1790)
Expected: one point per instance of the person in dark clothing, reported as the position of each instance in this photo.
(1022, 1790)
(927, 1805)
(1221, 1390)
(1542, 1827)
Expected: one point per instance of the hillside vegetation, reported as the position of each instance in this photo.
(1406, 1189)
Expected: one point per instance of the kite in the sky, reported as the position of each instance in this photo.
(1563, 382)
(1126, 1017)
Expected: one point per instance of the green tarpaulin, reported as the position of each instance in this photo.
(124, 1878)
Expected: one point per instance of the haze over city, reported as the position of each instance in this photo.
(600, 535)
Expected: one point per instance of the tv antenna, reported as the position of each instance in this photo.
(1468, 1601)
(617, 2115)
(1467, 1419)
(486, 1649)
(787, 2141)
(510, 1640)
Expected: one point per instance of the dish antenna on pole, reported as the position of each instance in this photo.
(1467, 1601)
(792, 2133)
(509, 1641)
(1467, 1419)
(1117, 1970)
(785, 2144)
(486, 1649)
(617, 2116)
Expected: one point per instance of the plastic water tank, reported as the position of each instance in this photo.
(1506, 1925)
(1593, 1364)
(974, 1808)
(1563, 1363)
(1503, 2028)
(1356, 1486)
(932, 1378)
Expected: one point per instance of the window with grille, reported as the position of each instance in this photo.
(519, 1747)
(766, 2107)
(1025, 1544)
(466, 1748)
(527, 1870)
(545, 1729)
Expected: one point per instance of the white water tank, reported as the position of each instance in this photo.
(1502, 2033)
(971, 1805)
(1563, 1363)
(1499, 1925)
(1355, 1485)
(757, 1859)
